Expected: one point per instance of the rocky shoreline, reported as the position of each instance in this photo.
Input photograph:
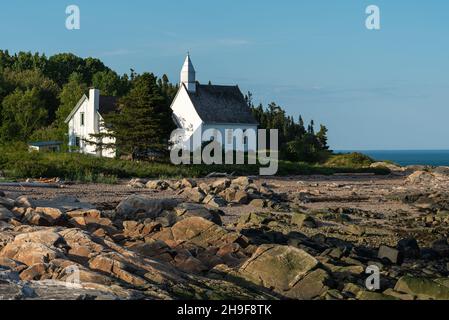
(306, 238)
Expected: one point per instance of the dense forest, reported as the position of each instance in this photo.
(296, 142)
(37, 93)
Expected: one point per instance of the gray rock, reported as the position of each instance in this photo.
(441, 247)
(221, 184)
(216, 202)
(422, 288)
(303, 220)
(258, 203)
(242, 181)
(187, 210)
(6, 202)
(157, 185)
(390, 254)
(5, 214)
(137, 207)
(279, 268)
(188, 183)
(194, 194)
(409, 248)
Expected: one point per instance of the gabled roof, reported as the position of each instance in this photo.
(107, 104)
(221, 104)
(80, 102)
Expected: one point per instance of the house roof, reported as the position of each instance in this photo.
(44, 143)
(107, 104)
(221, 104)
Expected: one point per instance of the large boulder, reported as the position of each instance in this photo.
(136, 230)
(281, 268)
(420, 177)
(5, 214)
(188, 183)
(203, 233)
(194, 194)
(409, 248)
(115, 266)
(303, 220)
(389, 254)
(46, 237)
(311, 286)
(81, 245)
(441, 246)
(221, 184)
(63, 203)
(423, 288)
(242, 181)
(254, 219)
(186, 210)
(137, 183)
(215, 201)
(137, 207)
(94, 224)
(30, 253)
(157, 185)
(7, 203)
(258, 203)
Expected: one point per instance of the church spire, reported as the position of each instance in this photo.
(188, 75)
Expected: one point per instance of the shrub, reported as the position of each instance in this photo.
(17, 162)
(349, 160)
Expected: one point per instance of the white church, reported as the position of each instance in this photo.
(196, 108)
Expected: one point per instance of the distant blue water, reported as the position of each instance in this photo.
(408, 157)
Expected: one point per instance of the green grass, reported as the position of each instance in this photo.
(17, 163)
(349, 160)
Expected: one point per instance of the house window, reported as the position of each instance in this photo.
(77, 142)
(82, 118)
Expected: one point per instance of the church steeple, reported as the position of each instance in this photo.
(188, 75)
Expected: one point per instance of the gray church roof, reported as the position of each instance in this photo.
(221, 104)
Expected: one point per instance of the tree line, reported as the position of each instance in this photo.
(37, 93)
(296, 142)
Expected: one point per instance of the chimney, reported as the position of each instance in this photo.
(94, 98)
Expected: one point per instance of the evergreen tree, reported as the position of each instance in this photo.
(143, 122)
(296, 142)
(322, 138)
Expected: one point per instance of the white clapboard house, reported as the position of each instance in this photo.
(86, 119)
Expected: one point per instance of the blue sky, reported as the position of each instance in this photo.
(386, 89)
